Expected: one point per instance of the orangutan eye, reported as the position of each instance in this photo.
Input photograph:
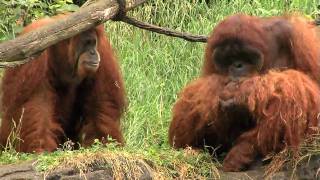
(90, 42)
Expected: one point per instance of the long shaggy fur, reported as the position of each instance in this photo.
(272, 110)
(52, 107)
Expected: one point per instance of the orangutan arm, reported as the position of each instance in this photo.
(285, 105)
(194, 112)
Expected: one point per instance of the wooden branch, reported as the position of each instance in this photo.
(166, 31)
(33, 43)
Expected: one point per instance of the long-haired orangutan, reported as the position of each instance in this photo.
(73, 90)
(258, 94)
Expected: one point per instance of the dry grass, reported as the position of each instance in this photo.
(287, 159)
(124, 163)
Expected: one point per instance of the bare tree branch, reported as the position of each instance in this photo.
(28, 46)
(169, 32)
(25, 46)
(166, 31)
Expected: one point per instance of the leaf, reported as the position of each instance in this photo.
(68, 8)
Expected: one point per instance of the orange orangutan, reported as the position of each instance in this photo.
(73, 90)
(259, 91)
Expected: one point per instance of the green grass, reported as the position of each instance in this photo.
(156, 67)
(165, 162)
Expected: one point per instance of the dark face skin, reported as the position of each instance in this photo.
(236, 60)
(86, 55)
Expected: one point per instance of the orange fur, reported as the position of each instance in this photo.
(57, 105)
(274, 109)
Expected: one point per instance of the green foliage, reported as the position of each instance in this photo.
(166, 162)
(10, 157)
(62, 6)
(155, 68)
(14, 14)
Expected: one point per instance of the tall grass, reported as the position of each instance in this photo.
(156, 67)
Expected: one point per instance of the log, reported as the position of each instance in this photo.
(308, 169)
(27, 46)
(27, 170)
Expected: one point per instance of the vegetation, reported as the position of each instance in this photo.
(17, 13)
(155, 68)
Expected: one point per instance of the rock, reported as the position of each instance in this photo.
(307, 170)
